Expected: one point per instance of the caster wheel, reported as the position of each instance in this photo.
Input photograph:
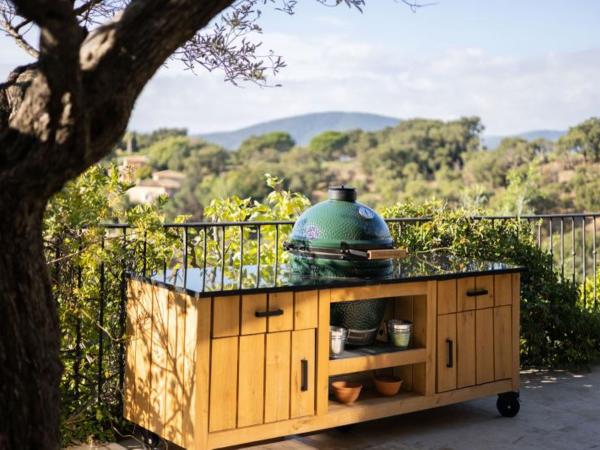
(152, 440)
(508, 404)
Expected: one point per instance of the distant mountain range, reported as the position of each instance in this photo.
(304, 127)
(492, 142)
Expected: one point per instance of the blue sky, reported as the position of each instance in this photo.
(519, 65)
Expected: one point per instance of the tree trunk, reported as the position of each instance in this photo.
(29, 332)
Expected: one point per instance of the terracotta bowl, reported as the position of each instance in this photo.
(346, 391)
(387, 385)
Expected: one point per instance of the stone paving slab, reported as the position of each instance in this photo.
(559, 411)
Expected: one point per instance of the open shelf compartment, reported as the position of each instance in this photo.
(378, 356)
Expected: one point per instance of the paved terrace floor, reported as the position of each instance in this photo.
(559, 410)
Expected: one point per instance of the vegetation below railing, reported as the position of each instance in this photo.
(88, 262)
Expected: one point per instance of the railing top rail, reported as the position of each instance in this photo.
(390, 220)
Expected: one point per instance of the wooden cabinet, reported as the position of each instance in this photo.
(474, 343)
(262, 378)
(226, 370)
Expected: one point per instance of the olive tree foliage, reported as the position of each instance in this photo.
(61, 114)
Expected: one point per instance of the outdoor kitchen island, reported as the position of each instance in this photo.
(218, 358)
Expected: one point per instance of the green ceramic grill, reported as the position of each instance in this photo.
(341, 237)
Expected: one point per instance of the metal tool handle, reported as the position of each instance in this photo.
(476, 292)
(386, 253)
(304, 375)
(450, 344)
(274, 313)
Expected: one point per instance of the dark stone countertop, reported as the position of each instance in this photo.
(416, 267)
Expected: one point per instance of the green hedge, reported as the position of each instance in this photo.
(556, 331)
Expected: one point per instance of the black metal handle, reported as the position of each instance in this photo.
(275, 313)
(304, 375)
(450, 344)
(476, 292)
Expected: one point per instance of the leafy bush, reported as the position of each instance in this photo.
(555, 330)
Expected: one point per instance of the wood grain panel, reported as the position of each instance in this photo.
(446, 297)
(306, 310)
(446, 331)
(503, 289)
(130, 407)
(487, 283)
(322, 377)
(381, 291)
(250, 305)
(160, 336)
(285, 302)
(223, 383)
(484, 345)
(226, 316)
(502, 342)
(251, 386)
(465, 302)
(302, 402)
(143, 356)
(174, 369)
(516, 330)
(465, 349)
(277, 376)
(196, 369)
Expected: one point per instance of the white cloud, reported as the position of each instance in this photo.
(339, 71)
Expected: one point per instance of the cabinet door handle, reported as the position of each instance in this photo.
(450, 344)
(274, 313)
(476, 292)
(304, 375)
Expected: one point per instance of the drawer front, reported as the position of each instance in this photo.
(254, 310)
(264, 313)
(475, 293)
(281, 302)
(446, 297)
(226, 316)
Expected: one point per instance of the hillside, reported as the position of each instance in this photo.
(304, 127)
(492, 142)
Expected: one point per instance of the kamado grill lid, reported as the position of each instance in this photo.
(341, 228)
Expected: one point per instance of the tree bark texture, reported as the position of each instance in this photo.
(59, 116)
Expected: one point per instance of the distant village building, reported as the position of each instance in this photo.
(130, 165)
(163, 182)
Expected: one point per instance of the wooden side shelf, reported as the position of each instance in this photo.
(369, 399)
(376, 357)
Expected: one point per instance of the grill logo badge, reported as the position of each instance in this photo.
(366, 212)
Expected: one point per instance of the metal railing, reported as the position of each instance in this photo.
(569, 238)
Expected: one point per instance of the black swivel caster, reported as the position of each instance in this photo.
(508, 404)
(152, 440)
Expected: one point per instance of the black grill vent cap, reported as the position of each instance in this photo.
(342, 193)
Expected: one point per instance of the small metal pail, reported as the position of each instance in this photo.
(400, 332)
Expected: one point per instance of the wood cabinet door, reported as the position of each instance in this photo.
(251, 380)
(302, 391)
(223, 383)
(503, 342)
(446, 353)
(277, 376)
(465, 349)
(484, 345)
